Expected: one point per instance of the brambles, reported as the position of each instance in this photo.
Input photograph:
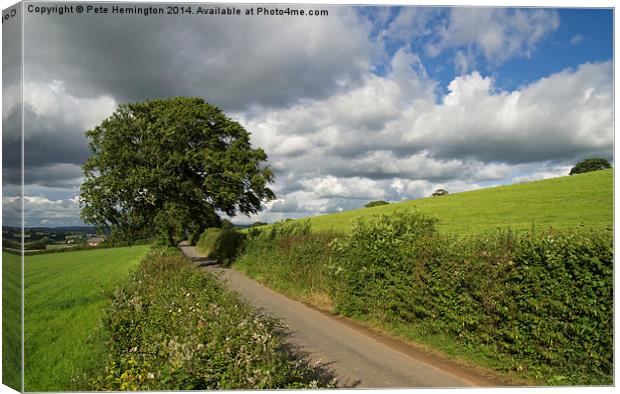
(174, 327)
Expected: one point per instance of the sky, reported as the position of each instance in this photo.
(367, 103)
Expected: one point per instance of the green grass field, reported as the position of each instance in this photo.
(584, 200)
(65, 297)
(11, 320)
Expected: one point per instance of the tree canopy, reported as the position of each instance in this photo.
(376, 204)
(167, 167)
(589, 165)
(439, 192)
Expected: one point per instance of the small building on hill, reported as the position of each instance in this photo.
(95, 241)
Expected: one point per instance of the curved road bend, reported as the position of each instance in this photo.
(356, 359)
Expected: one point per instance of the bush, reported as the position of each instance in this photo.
(589, 165)
(539, 304)
(288, 227)
(173, 327)
(295, 264)
(221, 244)
(376, 204)
(542, 303)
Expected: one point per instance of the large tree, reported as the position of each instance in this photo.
(166, 167)
(589, 165)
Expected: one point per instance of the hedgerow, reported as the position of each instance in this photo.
(280, 229)
(221, 244)
(298, 265)
(540, 304)
(173, 327)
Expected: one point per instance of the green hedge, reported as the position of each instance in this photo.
(540, 305)
(221, 244)
(173, 327)
(298, 265)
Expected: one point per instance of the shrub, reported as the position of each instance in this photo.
(589, 165)
(288, 227)
(539, 304)
(173, 327)
(376, 204)
(221, 244)
(542, 302)
(296, 264)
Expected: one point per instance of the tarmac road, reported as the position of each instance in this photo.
(357, 357)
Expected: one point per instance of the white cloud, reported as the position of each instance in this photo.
(554, 118)
(497, 33)
(409, 143)
(577, 39)
(52, 101)
(39, 210)
(355, 188)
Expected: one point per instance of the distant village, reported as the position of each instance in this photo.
(43, 238)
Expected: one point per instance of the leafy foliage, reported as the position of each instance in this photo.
(282, 228)
(165, 166)
(376, 204)
(222, 244)
(544, 302)
(589, 165)
(298, 265)
(539, 304)
(173, 327)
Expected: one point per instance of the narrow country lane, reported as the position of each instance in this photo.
(357, 358)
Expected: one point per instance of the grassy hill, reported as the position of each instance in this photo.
(584, 200)
(65, 297)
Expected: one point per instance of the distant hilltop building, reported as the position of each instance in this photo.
(95, 241)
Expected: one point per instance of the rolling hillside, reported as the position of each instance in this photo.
(584, 200)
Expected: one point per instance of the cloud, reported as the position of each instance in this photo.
(233, 63)
(41, 211)
(284, 205)
(411, 23)
(346, 107)
(554, 118)
(497, 33)
(577, 39)
(404, 143)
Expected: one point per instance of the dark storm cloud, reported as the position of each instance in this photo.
(11, 46)
(233, 62)
(52, 140)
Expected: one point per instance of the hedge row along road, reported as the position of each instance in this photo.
(359, 358)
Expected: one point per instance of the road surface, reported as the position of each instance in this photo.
(357, 356)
